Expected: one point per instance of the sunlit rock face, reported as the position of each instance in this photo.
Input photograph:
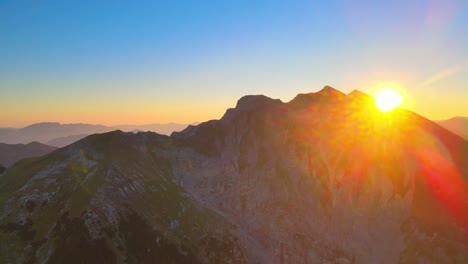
(324, 178)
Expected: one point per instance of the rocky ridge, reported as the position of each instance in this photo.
(322, 178)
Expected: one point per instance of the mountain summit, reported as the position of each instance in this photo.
(324, 178)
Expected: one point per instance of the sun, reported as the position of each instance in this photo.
(387, 99)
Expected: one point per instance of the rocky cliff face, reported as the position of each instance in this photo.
(324, 178)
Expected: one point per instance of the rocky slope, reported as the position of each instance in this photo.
(325, 178)
(108, 198)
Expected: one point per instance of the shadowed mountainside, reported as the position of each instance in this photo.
(11, 153)
(65, 141)
(324, 178)
(458, 125)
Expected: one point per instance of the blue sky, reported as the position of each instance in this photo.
(160, 61)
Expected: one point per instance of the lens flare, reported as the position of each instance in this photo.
(387, 99)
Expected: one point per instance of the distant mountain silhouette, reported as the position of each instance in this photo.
(60, 135)
(163, 129)
(11, 153)
(324, 178)
(65, 141)
(458, 125)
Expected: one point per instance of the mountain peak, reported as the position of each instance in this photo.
(212, 192)
(356, 94)
(327, 92)
(250, 102)
(43, 124)
(459, 118)
(330, 91)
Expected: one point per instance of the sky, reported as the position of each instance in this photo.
(138, 62)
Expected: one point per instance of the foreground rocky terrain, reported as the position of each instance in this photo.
(324, 178)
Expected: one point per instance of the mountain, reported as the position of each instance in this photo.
(44, 132)
(65, 141)
(107, 199)
(9, 154)
(60, 135)
(164, 129)
(458, 125)
(324, 178)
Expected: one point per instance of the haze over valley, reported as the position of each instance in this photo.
(60, 135)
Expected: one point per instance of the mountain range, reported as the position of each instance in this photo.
(324, 178)
(11, 153)
(458, 125)
(60, 135)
